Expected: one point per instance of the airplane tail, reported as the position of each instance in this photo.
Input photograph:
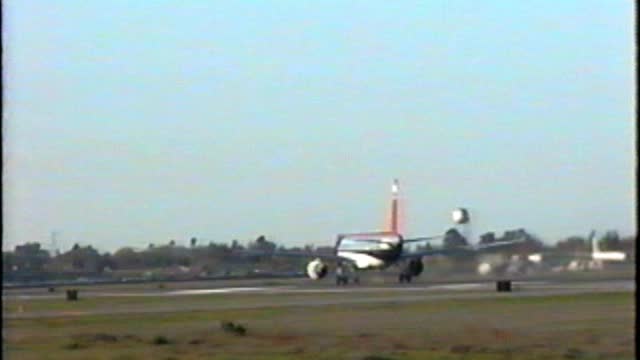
(595, 248)
(394, 206)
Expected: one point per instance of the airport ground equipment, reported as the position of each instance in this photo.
(503, 285)
(72, 295)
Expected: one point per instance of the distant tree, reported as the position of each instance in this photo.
(151, 245)
(628, 244)
(193, 241)
(610, 241)
(30, 257)
(512, 235)
(526, 242)
(263, 245)
(106, 262)
(86, 258)
(157, 257)
(206, 269)
(77, 262)
(75, 246)
(126, 258)
(214, 245)
(172, 243)
(80, 258)
(184, 261)
(487, 238)
(325, 249)
(425, 247)
(8, 262)
(453, 239)
(572, 244)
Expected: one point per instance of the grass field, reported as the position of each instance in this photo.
(586, 326)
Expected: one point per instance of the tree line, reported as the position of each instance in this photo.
(221, 258)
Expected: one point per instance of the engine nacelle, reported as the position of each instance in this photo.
(415, 267)
(485, 268)
(460, 216)
(316, 269)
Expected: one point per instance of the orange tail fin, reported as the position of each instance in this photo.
(394, 206)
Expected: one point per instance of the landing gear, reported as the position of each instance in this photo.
(410, 270)
(344, 272)
(404, 277)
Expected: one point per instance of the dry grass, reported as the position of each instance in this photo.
(563, 327)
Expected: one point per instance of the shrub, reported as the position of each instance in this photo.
(105, 337)
(74, 345)
(230, 327)
(160, 340)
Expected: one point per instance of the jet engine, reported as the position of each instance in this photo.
(485, 268)
(415, 267)
(316, 269)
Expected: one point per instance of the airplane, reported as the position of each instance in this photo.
(594, 260)
(575, 261)
(377, 250)
(598, 255)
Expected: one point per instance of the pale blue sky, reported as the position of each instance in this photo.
(134, 122)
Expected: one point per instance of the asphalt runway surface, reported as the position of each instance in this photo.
(357, 294)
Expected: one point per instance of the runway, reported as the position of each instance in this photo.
(234, 298)
(488, 286)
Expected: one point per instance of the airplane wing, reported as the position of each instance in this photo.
(565, 256)
(460, 250)
(433, 252)
(295, 254)
(495, 245)
(419, 239)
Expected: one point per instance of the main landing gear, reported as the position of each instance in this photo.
(344, 273)
(342, 280)
(404, 277)
(410, 270)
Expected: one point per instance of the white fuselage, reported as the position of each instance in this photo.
(363, 261)
(370, 250)
(598, 255)
(609, 255)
